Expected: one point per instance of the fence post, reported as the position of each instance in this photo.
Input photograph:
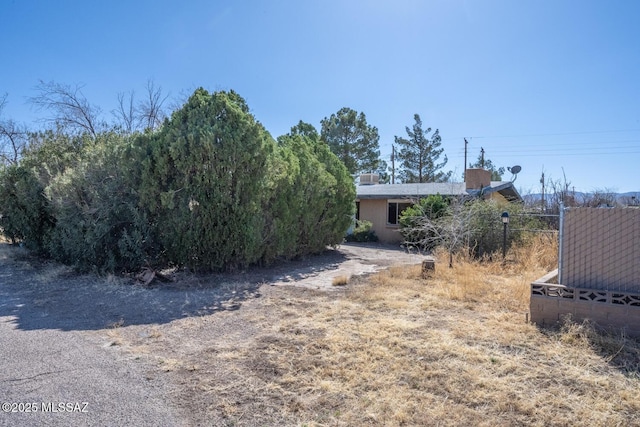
(560, 240)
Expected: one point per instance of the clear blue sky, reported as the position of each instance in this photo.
(550, 85)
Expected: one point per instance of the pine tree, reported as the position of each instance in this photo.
(487, 164)
(353, 140)
(419, 155)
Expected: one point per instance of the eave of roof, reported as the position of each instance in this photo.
(417, 190)
(402, 191)
(505, 188)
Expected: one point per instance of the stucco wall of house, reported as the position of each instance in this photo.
(376, 211)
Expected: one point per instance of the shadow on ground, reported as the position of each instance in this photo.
(42, 295)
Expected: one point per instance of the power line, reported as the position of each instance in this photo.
(546, 134)
(549, 150)
(555, 153)
(632, 142)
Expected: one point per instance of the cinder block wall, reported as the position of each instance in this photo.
(601, 249)
(547, 311)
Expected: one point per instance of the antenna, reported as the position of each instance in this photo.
(514, 170)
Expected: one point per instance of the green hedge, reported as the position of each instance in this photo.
(211, 190)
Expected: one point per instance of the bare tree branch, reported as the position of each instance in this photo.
(599, 198)
(151, 110)
(126, 113)
(451, 231)
(68, 107)
(13, 137)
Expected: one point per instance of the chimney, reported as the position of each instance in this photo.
(476, 179)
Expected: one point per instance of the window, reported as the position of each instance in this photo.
(395, 210)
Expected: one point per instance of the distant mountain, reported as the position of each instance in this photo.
(630, 194)
(631, 198)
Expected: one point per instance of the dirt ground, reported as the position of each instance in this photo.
(197, 336)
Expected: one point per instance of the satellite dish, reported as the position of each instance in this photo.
(514, 170)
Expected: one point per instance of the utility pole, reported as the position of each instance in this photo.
(542, 182)
(481, 157)
(393, 164)
(464, 173)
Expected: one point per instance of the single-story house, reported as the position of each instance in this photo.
(382, 204)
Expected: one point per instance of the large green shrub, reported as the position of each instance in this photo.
(362, 232)
(210, 189)
(23, 208)
(313, 205)
(99, 225)
(487, 229)
(25, 211)
(338, 211)
(204, 180)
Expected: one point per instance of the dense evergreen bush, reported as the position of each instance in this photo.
(204, 179)
(25, 212)
(210, 189)
(99, 224)
(487, 229)
(314, 204)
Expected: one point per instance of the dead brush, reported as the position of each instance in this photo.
(453, 349)
(340, 281)
(614, 347)
(398, 349)
(539, 251)
(490, 280)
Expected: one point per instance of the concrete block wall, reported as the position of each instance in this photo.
(614, 310)
(601, 249)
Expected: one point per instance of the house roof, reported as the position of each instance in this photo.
(402, 191)
(406, 191)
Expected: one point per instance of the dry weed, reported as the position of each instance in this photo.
(340, 281)
(397, 349)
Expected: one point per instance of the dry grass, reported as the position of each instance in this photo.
(395, 349)
(340, 281)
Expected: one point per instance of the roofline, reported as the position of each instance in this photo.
(505, 188)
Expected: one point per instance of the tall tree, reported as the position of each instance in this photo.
(305, 129)
(13, 137)
(353, 140)
(483, 163)
(147, 114)
(68, 107)
(126, 113)
(203, 179)
(150, 109)
(419, 155)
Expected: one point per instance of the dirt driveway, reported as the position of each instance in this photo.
(353, 260)
(108, 341)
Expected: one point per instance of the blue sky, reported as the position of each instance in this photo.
(551, 85)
